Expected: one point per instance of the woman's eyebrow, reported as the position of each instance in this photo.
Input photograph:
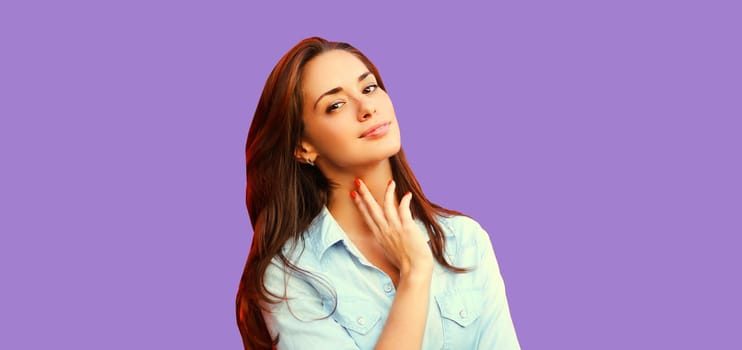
(338, 89)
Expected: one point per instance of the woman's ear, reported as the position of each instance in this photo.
(305, 152)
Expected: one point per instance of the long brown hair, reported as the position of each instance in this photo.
(279, 186)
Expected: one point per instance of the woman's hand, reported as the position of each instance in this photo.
(393, 227)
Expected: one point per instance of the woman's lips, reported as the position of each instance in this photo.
(376, 130)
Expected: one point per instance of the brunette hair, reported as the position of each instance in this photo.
(284, 195)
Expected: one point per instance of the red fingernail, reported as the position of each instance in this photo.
(389, 183)
(353, 194)
(408, 192)
(358, 183)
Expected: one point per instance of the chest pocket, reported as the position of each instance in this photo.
(360, 318)
(460, 311)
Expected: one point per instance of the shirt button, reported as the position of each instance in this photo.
(462, 313)
(361, 321)
(388, 288)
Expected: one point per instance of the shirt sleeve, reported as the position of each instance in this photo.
(301, 320)
(498, 332)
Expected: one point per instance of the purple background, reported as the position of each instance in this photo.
(598, 143)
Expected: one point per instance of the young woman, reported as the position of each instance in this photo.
(347, 251)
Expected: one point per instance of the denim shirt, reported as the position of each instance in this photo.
(465, 311)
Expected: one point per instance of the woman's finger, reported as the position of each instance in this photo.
(373, 207)
(364, 212)
(390, 208)
(405, 214)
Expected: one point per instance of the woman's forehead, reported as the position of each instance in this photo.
(331, 69)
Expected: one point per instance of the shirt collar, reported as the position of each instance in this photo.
(329, 230)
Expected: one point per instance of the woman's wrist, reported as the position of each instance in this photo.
(419, 272)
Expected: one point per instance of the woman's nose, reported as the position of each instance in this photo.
(367, 108)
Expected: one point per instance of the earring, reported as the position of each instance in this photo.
(309, 161)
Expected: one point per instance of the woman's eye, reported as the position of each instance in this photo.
(370, 88)
(334, 106)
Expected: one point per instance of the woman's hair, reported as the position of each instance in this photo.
(284, 195)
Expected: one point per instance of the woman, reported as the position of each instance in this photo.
(347, 252)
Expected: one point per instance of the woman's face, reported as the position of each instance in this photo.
(342, 106)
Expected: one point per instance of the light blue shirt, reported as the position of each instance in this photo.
(466, 310)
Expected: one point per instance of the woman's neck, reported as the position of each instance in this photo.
(340, 203)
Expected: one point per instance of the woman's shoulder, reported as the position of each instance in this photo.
(466, 239)
(461, 226)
